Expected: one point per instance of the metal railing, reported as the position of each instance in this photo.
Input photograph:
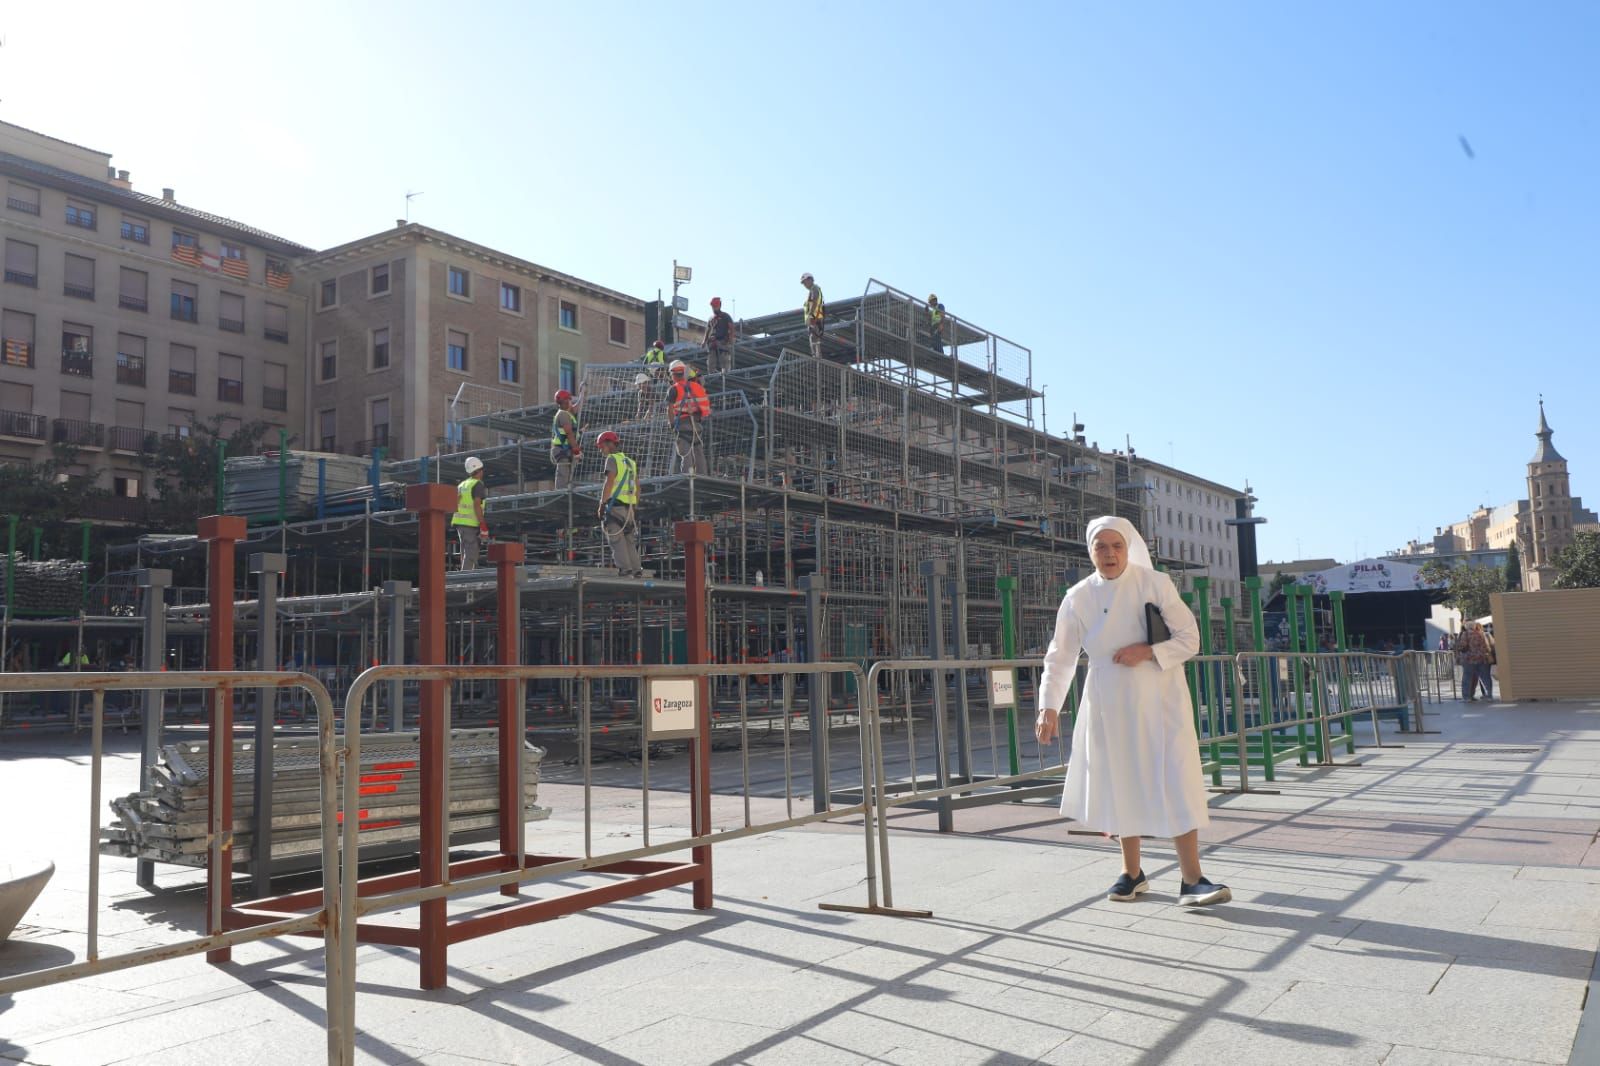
(18, 277)
(78, 432)
(181, 382)
(28, 207)
(132, 439)
(231, 325)
(1436, 671)
(78, 292)
(279, 335)
(274, 399)
(24, 424)
(133, 303)
(130, 369)
(230, 390)
(78, 362)
(326, 920)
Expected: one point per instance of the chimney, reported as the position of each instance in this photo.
(168, 196)
(400, 223)
(121, 180)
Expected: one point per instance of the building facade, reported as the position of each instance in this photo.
(412, 329)
(1191, 520)
(127, 317)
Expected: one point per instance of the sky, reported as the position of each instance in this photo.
(1336, 250)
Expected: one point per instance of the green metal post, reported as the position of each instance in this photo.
(222, 463)
(283, 476)
(1008, 649)
(1258, 624)
(1267, 687)
(1319, 694)
(1232, 719)
(38, 543)
(1206, 676)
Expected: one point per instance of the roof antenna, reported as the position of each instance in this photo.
(409, 197)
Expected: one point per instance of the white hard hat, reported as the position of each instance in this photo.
(806, 276)
(641, 379)
(474, 464)
(678, 364)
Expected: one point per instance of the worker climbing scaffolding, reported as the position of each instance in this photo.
(468, 520)
(687, 408)
(619, 501)
(566, 441)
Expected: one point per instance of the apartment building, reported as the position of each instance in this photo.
(164, 314)
(1189, 521)
(412, 329)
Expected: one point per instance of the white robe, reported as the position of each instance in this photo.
(1134, 769)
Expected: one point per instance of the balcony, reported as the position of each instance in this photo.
(77, 362)
(275, 399)
(379, 439)
(77, 432)
(279, 335)
(132, 439)
(130, 370)
(16, 353)
(181, 382)
(17, 277)
(27, 207)
(231, 325)
(78, 292)
(24, 424)
(230, 390)
(133, 303)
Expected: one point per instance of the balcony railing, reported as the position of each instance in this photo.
(230, 390)
(27, 207)
(76, 431)
(379, 439)
(133, 303)
(181, 382)
(329, 444)
(132, 439)
(130, 369)
(78, 292)
(274, 399)
(17, 277)
(231, 325)
(23, 424)
(78, 363)
(279, 335)
(16, 353)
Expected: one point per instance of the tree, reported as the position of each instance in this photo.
(1280, 581)
(1578, 564)
(1469, 587)
(185, 469)
(1513, 569)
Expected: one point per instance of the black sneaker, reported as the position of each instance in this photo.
(1201, 893)
(1128, 888)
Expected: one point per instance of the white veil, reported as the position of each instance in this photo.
(1138, 551)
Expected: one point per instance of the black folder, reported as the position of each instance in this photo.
(1155, 627)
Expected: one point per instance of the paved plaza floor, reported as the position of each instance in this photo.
(1432, 903)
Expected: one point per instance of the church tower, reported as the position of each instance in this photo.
(1549, 525)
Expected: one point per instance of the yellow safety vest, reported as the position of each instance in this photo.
(625, 489)
(936, 315)
(813, 309)
(558, 436)
(655, 355)
(466, 514)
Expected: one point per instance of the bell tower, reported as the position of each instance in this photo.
(1549, 516)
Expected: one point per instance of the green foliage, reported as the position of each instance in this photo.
(1578, 564)
(1513, 570)
(1469, 587)
(1280, 581)
(184, 470)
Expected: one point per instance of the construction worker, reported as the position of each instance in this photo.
(655, 356)
(619, 500)
(566, 442)
(935, 323)
(687, 407)
(813, 313)
(718, 339)
(468, 520)
(647, 398)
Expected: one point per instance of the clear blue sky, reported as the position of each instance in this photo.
(1247, 236)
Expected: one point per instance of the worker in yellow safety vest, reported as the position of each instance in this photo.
(935, 323)
(566, 442)
(655, 356)
(619, 501)
(468, 521)
(813, 313)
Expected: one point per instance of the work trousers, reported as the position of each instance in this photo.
(815, 331)
(562, 458)
(618, 527)
(691, 453)
(469, 546)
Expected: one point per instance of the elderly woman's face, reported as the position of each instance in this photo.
(1110, 553)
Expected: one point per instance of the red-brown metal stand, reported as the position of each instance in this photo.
(220, 532)
(507, 560)
(694, 536)
(432, 503)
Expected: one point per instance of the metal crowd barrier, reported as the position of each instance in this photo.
(325, 921)
(1436, 671)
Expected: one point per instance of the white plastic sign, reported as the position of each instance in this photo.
(674, 710)
(1002, 688)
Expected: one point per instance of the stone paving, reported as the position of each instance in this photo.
(1435, 903)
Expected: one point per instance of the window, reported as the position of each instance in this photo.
(185, 301)
(328, 360)
(16, 399)
(275, 386)
(510, 297)
(24, 198)
(380, 422)
(22, 263)
(568, 376)
(455, 350)
(230, 312)
(233, 262)
(18, 349)
(328, 293)
(619, 330)
(180, 370)
(130, 360)
(378, 282)
(185, 247)
(179, 423)
(510, 364)
(380, 347)
(77, 350)
(230, 378)
(135, 229)
(328, 430)
(75, 426)
(127, 432)
(460, 283)
(133, 290)
(276, 323)
(80, 214)
(567, 315)
(125, 485)
(78, 280)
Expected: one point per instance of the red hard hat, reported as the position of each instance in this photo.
(716, 301)
(608, 437)
(563, 396)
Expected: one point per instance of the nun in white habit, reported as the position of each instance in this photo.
(1134, 769)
